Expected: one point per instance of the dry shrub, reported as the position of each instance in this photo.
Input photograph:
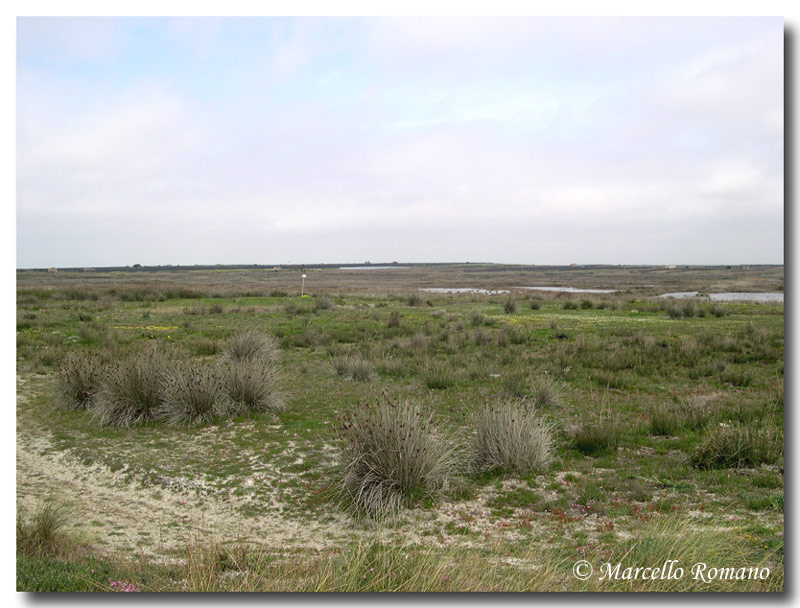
(130, 391)
(393, 453)
(193, 394)
(252, 345)
(252, 385)
(78, 379)
(353, 367)
(512, 437)
(546, 393)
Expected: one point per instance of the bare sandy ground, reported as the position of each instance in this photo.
(116, 516)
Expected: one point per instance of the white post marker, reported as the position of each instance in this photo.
(302, 285)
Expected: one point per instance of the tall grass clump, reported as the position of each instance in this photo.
(392, 454)
(511, 437)
(516, 384)
(477, 319)
(720, 311)
(545, 393)
(481, 337)
(322, 303)
(436, 375)
(682, 540)
(252, 345)
(353, 367)
(415, 299)
(735, 446)
(252, 385)
(192, 394)
(682, 309)
(94, 334)
(665, 419)
(598, 434)
(41, 534)
(369, 564)
(78, 379)
(130, 391)
(510, 307)
(736, 376)
(698, 410)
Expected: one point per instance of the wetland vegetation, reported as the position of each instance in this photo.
(211, 429)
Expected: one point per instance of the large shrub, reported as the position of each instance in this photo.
(192, 394)
(78, 379)
(130, 391)
(392, 453)
(252, 385)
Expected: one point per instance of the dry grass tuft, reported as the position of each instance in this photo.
(252, 345)
(512, 437)
(78, 379)
(393, 453)
(130, 391)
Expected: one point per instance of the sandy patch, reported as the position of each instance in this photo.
(123, 517)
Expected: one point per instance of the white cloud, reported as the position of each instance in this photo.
(561, 140)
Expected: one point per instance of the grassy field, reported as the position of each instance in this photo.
(658, 427)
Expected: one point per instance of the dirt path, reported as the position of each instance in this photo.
(117, 516)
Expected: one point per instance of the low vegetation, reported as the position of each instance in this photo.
(517, 439)
(738, 446)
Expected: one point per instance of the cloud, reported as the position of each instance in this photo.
(496, 139)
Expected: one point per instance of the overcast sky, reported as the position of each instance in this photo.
(275, 140)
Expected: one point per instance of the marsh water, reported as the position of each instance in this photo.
(570, 289)
(731, 296)
(477, 290)
(373, 267)
(490, 292)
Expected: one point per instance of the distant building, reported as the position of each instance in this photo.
(52, 269)
(670, 266)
